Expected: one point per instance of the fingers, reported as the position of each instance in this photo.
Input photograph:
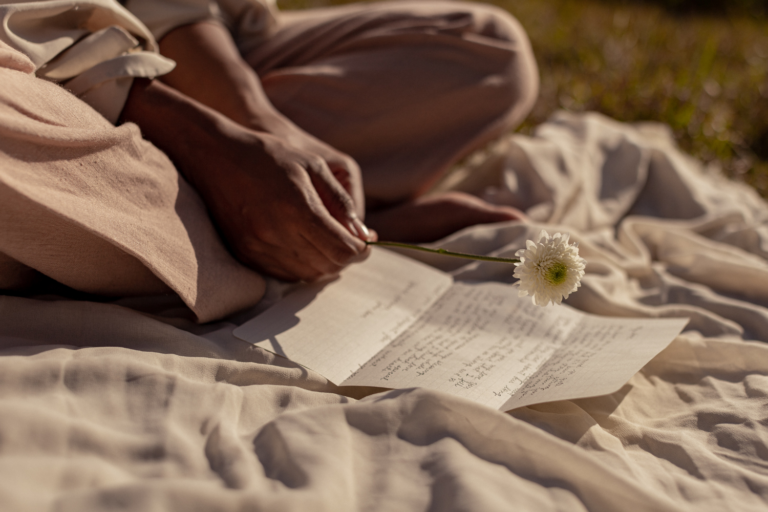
(340, 237)
(276, 242)
(298, 238)
(304, 264)
(335, 190)
(283, 211)
(347, 173)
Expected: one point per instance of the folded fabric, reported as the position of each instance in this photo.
(95, 48)
(100, 209)
(84, 36)
(249, 21)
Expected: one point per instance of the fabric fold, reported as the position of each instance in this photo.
(97, 42)
(102, 404)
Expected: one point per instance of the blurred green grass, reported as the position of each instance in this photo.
(700, 66)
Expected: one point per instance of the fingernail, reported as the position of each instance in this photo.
(362, 231)
(352, 229)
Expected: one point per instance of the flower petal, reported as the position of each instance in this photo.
(549, 270)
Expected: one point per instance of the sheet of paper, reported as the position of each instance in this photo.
(335, 327)
(479, 341)
(600, 356)
(484, 343)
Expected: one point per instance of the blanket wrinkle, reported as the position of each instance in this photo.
(432, 420)
(273, 452)
(104, 407)
(229, 458)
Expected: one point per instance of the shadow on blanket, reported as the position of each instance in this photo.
(105, 407)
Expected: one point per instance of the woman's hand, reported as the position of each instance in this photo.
(210, 70)
(281, 188)
(281, 210)
(342, 166)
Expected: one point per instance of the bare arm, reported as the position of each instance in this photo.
(210, 70)
(285, 202)
(261, 192)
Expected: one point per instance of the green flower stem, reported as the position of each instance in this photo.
(446, 253)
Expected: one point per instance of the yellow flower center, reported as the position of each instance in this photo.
(556, 273)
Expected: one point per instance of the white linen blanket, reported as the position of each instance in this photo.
(122, 406)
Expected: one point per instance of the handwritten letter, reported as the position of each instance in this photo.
(600, 356)
(335, 328)
(392, 322)
(478, 341)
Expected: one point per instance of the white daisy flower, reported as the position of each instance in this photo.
(550, 269)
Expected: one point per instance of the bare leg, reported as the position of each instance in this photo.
(429, 218)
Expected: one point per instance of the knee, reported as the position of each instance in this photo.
(498, 27)
(487, 43)
(495, 23)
